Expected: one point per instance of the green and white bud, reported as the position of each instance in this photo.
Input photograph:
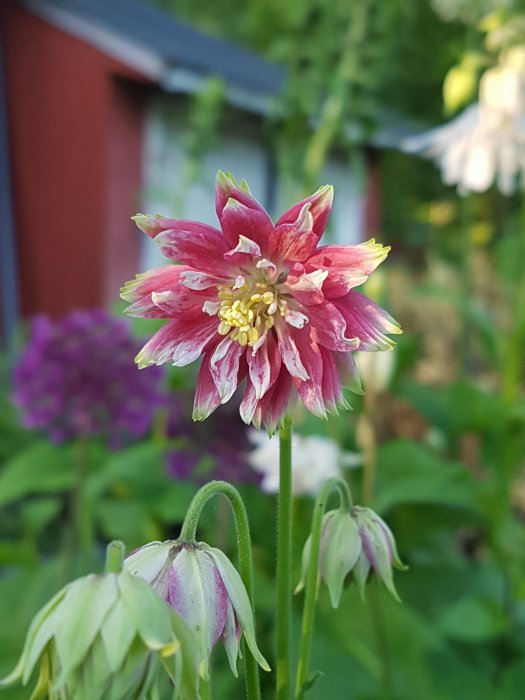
(378, 551)
(339, 550)
(354, 544)
(108, 637)
(204, 587)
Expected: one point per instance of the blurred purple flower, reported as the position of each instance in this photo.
(76, 378)
(214, 449)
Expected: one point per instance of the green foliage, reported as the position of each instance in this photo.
(452, 489)
(411, 473)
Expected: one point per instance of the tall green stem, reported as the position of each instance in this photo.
(81, 507)
(242, 528)
(513, 356)
(284, 564)
(466, 254)
(312, 574)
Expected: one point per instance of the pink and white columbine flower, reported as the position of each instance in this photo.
(262, 302)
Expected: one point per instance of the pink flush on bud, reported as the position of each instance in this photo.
(378, 550)
(354, 545)
(260, 302)
(204, 587)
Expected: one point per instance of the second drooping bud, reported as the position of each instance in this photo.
(354, 545)
(204, 587)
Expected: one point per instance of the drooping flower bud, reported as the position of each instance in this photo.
(353, 544)
(204, 587)
(340, 548)
(108, 637)
(378, 551)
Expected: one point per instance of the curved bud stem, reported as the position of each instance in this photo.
(115, 554)
(311, 577)
(188, 534)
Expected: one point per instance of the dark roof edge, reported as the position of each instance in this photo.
(141, 58)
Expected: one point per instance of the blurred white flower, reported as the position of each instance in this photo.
(467, 11)
(486, 142)
(314, 460)
(375, 369)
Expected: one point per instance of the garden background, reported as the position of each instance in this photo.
(113, 107)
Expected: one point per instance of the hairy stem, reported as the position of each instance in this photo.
(242, 528)
(284, 564)
(310, 597)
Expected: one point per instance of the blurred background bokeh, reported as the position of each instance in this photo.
(415, 111)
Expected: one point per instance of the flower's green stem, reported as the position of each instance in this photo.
(79, 537)
(312, 574)
(515, 342)
(188, 534)
(115, 554)
(284, 564)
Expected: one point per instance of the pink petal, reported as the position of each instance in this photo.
(296, 318)
(348, 266)
(244, 253)
(224, 367)
(348, 372)
(320, 207)
(161, 279)
(276, 403)
(179, 342)
(328, 327)
(290, 353)
(249, 403)
(340, 282)
(239, 220)
(264, 365)
(306, 287)
(294, 241)
(200, 280)
(226, 188)
(364, 257)
(183, 304)
(367, 321)
(207, 397)
(310, 391)
(153, 225)
(245, 246)
(332, 388)
(197, 245)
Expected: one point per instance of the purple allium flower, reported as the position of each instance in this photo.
(215, 449)
(76, 378)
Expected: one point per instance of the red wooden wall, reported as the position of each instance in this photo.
(75, 120)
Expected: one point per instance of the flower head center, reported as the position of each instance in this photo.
(248, 309)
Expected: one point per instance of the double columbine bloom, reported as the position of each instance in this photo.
(109, 637)
(203, 586)
(260, 302)
(354, 545)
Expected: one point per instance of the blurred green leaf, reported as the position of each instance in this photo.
(411, 473)
(17, 554)
(126, 520)
(473, 408)
(513, 681)
(38, 513)
(473, 620)
(40, 468)
(138, 474)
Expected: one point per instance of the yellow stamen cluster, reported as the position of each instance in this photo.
(248, 310)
